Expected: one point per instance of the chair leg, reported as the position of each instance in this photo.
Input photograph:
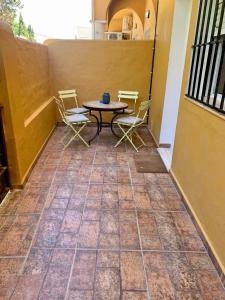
(76, 134)
(127, 136)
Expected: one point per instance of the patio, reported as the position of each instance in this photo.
(88, 226)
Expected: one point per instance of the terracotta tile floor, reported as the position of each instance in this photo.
(88, 226)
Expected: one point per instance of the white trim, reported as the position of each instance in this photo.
(181, 20)
(166, 156)
(37, 112)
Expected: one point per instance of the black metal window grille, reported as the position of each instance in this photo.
(207, 72)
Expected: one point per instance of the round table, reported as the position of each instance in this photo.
(96, 105)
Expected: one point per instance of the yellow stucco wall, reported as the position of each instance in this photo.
(163, 42)
(100, 9)
(29, 114)
(198, 162)
(93, 67)
(7, 118)
(116, 24)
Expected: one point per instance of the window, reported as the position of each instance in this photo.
(207, 72)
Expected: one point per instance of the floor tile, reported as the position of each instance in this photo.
(38, 261)
(134, 295)
(80, 295)
(169, 235)
(107, 284)
(71, 222)
(55, 282)
(88, 234)
(173, 275)
(83, 271)
(17, 236)
(47, 233)
(28, 287)
(108, 259)
(129, 238)
(132, 271)
(109, 241)
(110, 222)
(97, 175)
(149, 234)
(7, 285)
(10, 266)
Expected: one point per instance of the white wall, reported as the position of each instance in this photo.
(98, 29)
(175, 72)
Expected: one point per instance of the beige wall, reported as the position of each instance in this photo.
(138, 32)
(149, 23)
(198, 162)
(93, 67)
(28, 114)
(163, 40)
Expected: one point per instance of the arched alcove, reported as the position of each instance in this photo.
(117, 5)
(136, 27)
(105, 10)
(144, 27)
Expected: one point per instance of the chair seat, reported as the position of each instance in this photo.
(78, 110)
(77, 118)
(127, 111)
(129, 120)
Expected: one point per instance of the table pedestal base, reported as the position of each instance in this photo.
(101, 124)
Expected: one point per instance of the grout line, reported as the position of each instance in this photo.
(140, 241)
(13, 257)
(120, 250)
(105, 209)
(70, 275)
(98, 221)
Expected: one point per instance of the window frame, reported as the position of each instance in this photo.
(208, 56)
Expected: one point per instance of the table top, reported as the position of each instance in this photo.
(112, 106)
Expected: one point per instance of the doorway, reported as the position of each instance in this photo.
(179, 38)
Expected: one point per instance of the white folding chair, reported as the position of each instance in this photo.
(130, 96)
(129, 125)
(76, 123)
(69, 95)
